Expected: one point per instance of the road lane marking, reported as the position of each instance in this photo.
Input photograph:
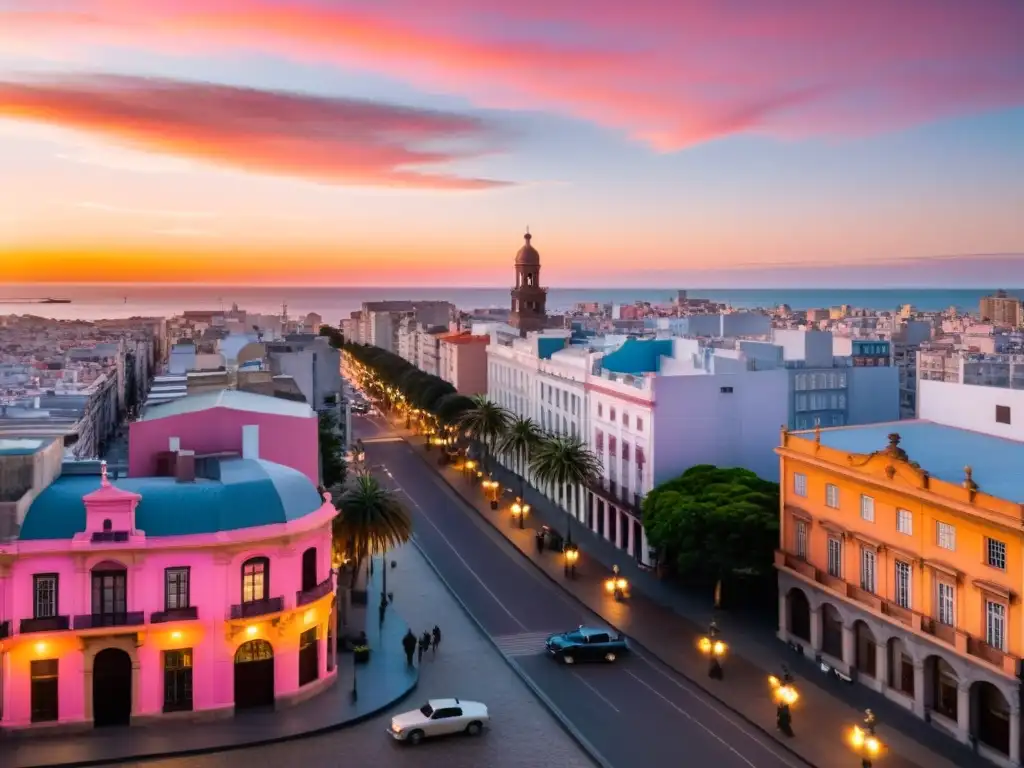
(462, 560)
(689, 717)
(596, 692)
(725, 716)
(523, 643)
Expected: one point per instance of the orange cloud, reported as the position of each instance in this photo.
(671, 73)
(326, 139)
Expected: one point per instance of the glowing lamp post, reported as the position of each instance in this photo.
(715, 651)
(470, 468)
(785, 695)
(491, 490)
(864, 741)
(519, 511)
(572, 554)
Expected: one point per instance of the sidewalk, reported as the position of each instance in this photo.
(667, 622)
(382, 681)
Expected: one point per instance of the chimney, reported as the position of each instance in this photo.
(174, 444)
(185, 467)
(251, 441)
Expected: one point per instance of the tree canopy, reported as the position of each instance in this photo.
(334, 336)
(712, 522)
(332, 451)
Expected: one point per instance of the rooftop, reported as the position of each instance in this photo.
(249, 493)
(943, 452)
(229, 398)
(22, 446)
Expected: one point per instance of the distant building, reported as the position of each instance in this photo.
(462, 361)
(1001, 309)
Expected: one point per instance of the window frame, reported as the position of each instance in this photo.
(837, 572)
(867, 508)
(800, 539)
(942, 607)
(831, 495)
(36, 579)
(868, 569)
(943, 527)
(904, 514)
(906, 600)
(800, 484)
(1001, 614)
(180, 674)
(990, 561)
(177, 569)
(265, 562)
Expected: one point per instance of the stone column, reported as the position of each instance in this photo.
(783, 628)
(882, 665)
(963, 710)
(1015, 733)
(919, 688)
(849, 647)
(815, 629)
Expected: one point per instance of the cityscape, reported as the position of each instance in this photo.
(462, 384)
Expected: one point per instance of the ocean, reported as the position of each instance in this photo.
(90, 302)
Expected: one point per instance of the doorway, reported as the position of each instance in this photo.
(254, 675)
(111, 688)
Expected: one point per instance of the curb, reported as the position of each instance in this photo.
(211, 750)
(711, 694)
(567, 726)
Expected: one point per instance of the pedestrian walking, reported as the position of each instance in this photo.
(539, 539)
(437, 637)
(424, 645)
(409, 646)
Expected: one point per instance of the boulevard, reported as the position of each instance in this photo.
(633, 712)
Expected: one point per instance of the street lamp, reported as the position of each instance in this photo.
(785, 695)
(470, 467)
(520, 511)
(491, 487)
(572, 554)
(715, 651)
(864, 741)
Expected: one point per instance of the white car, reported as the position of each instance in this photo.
(439, 717)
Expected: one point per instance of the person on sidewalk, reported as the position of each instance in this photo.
(409, 646)
(539, 538)
(424, 645)
(436, 637)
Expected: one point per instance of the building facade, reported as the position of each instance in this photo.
(201, 588)
(462, 361)
(1001, 310)
(901, 568)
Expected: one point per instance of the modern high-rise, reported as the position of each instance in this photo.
(1000, 309)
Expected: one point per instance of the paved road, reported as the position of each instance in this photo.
(524, 734)
(636, 712)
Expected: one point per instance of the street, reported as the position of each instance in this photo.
(635, 712)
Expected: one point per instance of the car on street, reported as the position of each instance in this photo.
(587, 644)
(439, 717)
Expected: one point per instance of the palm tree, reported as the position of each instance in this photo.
(371, 520)
(485, 422)
(562, 462)
(521, 437)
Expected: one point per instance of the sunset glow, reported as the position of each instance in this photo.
(316, 142)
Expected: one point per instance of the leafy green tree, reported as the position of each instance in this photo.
(564, 462)
(520, 438)
(711, 523)
(370, 521)
(485, 423)
(334, 336)
(332, 451)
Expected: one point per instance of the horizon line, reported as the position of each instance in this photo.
(321, 286)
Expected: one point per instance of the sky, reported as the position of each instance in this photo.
(411, 142)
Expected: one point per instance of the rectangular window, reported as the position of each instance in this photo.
(945, 536)
(44, 595)
(902, 592)
(254, 581)
(946, 601)
(995, 553)
(639, 424)
(625, 419)
(904, 521)
(995, 625)
(832, 496)
(867, 508)
(176, 588)
(109, 593)
(867, 569)
(43, 690)
(799, 484)
(725, 390)
(600, 410)
(178, 680)
(801, 539)
(611, 414)
(1002, 414)
(835, 558)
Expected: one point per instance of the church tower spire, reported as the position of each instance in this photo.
(529, 300)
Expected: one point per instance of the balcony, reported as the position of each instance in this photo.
(997, 658)
(862, 596)
(304, 597)
(939, 631)
(256, 608)
(5, 630)
(174, 614)
(794, 563)
(612, 493)
(100, 620)
(898, 613)
(50, 624)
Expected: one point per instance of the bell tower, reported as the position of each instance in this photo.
(529, 300)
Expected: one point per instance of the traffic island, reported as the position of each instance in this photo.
(382, 679)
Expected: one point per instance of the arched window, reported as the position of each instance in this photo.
(309, 575)
(255, 579)
(108, 525)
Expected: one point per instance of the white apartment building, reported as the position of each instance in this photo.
(957, 366)
(996, 411)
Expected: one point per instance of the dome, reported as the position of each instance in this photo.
(527, 255)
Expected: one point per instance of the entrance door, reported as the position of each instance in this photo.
(254, 675)
(112, 688)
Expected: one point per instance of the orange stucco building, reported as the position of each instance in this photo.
(901, 566)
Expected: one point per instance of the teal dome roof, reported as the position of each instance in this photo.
(249, 493)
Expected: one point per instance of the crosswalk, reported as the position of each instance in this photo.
(522, 644)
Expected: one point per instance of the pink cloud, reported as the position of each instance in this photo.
(671, 73)
(324, 139)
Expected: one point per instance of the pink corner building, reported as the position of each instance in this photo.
(199, 584)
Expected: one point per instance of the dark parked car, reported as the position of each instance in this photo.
(587, 644)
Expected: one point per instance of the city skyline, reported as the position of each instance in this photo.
(307, 143)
